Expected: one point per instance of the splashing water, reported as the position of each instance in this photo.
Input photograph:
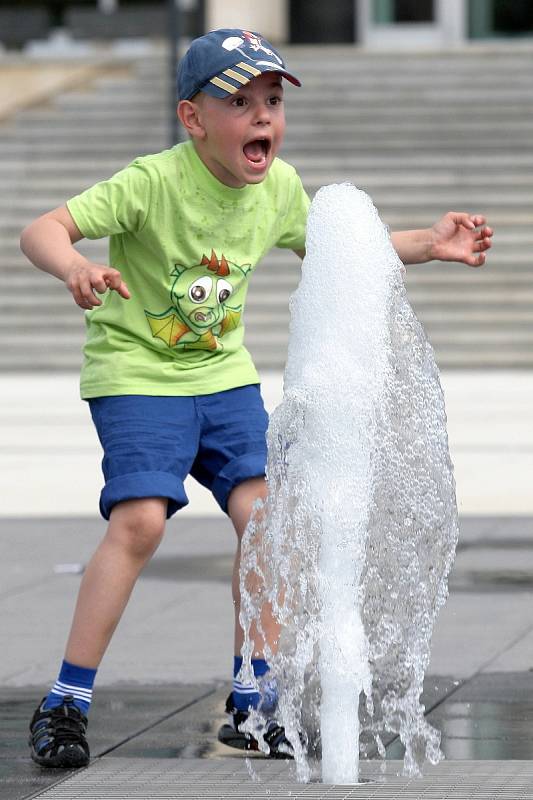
(352, 548)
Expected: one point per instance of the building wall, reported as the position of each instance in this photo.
(456, 22)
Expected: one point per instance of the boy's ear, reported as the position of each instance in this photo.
(188, 113)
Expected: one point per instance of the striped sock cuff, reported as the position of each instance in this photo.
(245, 694)
(75, 681)
(77, 692)
(245, 697)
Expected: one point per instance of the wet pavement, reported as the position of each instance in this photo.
(489, 717)
(479, 691)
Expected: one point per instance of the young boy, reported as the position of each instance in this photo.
(171, 388)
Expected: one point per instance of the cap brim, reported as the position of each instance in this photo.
(219, 90)
(291, 78)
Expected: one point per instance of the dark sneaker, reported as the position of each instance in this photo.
(57, 736)
(231, 735)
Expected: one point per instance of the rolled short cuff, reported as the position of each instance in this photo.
(251, 465)
(137, 485)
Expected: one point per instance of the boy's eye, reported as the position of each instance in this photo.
(239, 101)
(274, 101)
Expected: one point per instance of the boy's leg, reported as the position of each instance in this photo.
(57, 730)
(135, 530)
(240, 505)
(231, 462)
(149, 444)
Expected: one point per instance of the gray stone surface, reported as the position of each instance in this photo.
(168, 620)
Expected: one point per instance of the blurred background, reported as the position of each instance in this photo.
(425, 104)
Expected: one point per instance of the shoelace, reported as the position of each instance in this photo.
(60, 722)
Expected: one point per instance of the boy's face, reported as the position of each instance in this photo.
(242, 134)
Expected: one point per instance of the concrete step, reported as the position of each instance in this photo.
(514, 296)
(18, 274)
(297, 110)
(13, 207)
(275, 357)
(445, 184)
(451, 322)
(30, 361)
(120, 149)
(512, 246)
(275, 360)
(341, 138)
(448, 318)
(345, 122)
(17, 284)
(462, 359)
(470, 341)
(11, 227)
(387, 164)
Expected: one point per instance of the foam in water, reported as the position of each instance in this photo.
(354, 543)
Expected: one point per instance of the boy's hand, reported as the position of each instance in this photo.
(85, 278)
(459, 236)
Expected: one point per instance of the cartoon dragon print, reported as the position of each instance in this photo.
(207, 301)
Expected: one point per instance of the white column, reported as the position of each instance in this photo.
(362, 16)
(108, 6)
(270, 19)
(451, 17)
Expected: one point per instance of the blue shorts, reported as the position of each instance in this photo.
(151, 444)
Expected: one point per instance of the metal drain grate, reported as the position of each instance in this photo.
(237, 779)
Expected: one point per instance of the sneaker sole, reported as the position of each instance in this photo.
(232, 738)
(67, 759)
(242, 741)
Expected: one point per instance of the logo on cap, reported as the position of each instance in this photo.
(243, 72)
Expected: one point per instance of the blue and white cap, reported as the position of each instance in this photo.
(222, 61)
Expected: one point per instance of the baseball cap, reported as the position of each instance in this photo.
(222, 61)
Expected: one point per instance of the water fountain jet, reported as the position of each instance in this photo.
(354, 543)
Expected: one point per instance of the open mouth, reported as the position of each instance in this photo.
(257, 150)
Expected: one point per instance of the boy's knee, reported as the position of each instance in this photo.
(138, 525)
(242, 501)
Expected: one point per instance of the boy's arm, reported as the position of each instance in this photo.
(48, 243)
(457, 236)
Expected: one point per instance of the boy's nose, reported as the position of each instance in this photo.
(262, 116)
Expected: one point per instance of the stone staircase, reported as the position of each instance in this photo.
(422, 134)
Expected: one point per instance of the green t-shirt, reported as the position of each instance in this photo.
(185, 245)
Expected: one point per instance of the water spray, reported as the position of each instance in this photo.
(354, 543)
